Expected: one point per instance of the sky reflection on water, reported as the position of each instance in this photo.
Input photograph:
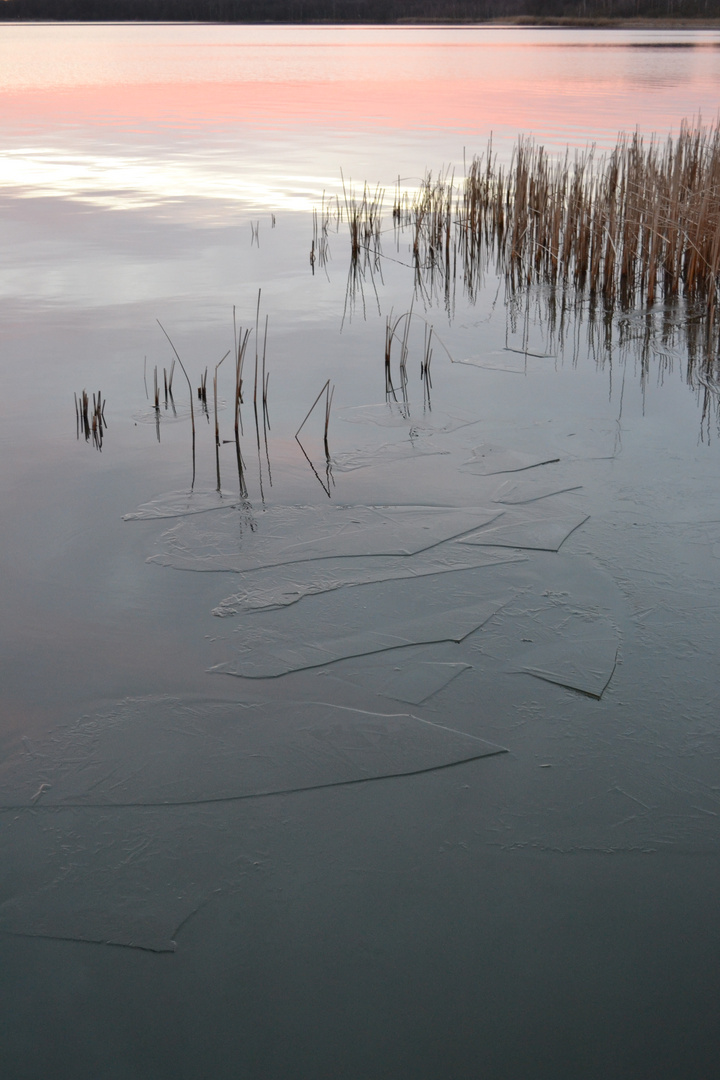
(265, 118)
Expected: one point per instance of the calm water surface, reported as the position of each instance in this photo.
(512, 571)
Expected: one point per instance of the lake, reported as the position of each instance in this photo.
(369, 729)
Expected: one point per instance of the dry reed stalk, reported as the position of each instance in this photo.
(192, 410)
(265, 378)
(241, 345)
(257, 320)
(215, 404)
(325, 389)
(202, 388)
(328, 406)
(91, 423)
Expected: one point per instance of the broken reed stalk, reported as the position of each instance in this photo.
(325, 389)
(391, 333)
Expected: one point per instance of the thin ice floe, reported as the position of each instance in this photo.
(414, 681)
(490, 460)
(265, 653)
(282, 586)
(589, 440)
(166, 752)
(367, 619)
(387, 454)
(583, 660)
(293, 534)
(151, 808)
(532, 528)
(183, 504)
(518, 492)
(403, 415)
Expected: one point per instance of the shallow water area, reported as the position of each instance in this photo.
(379, 738)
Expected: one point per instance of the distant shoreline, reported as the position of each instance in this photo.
(588, 23)
(530, 22)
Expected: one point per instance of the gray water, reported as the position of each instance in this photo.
(389, 756)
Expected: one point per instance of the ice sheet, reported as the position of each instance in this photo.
(581, 661)
(282, 586)
(298, 534)
(586, 439)
(489, 460)
(514, 362)
(268, 653)
(127, 877)
(386, 454)
(183, 503)
(163, 751)
(134, 875)
(394, 414)
(533, 528)
(517, 492)
(415, 681)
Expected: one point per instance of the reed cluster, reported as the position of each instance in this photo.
(600, 239)
(261, 383)
(363, 216)
(633, 225)
(90, 422)
(398, 329)
(322, 220)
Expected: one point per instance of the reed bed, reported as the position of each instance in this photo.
(637, 224)
(595, 237)
(634, 225)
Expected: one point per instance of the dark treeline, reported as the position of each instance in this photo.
(354, 11)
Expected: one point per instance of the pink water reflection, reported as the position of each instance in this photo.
(302, 102)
